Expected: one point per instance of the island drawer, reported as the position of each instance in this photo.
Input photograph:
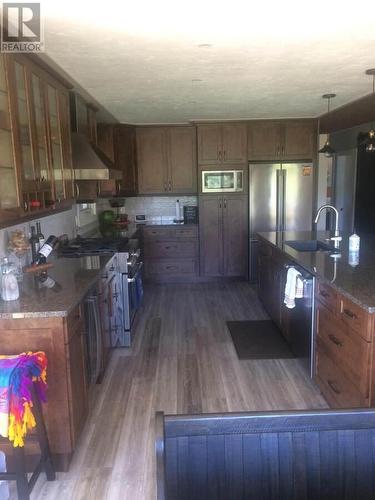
(338, 390)
(355, 317)
(327, 295)
(345, 348)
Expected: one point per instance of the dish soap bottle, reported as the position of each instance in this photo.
(9, 284)
(354, 241)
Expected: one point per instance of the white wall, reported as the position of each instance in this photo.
(56, 224)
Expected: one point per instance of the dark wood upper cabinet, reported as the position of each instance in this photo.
(300, 140)
(166, 160)
(118, 143)
(39, 119)
(126, 158)
(182, 159)
(282, 140)
(223, 235)
(9, 188)
(222, 144)
(264, 140)
(152, 160)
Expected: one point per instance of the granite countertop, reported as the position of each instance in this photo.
(74, 275)
(357, 283)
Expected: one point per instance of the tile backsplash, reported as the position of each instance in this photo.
(154, 207)
(151, 206)
(56, 224)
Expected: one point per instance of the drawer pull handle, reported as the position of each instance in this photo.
(171, 267)
(324, 294)
(333, 387)
(349, 313)
(335, 340)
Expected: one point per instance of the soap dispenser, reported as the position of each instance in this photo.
(354, 241)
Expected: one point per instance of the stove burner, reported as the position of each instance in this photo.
(93, 246)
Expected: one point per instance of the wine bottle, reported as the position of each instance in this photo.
(40, 235)
(45, 251)
(34, 242)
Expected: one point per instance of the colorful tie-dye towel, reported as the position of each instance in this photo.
(17, 375)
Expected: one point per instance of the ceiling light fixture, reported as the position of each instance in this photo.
(369, 141)
(327, 149)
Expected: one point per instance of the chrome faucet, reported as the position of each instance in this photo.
(337, 236)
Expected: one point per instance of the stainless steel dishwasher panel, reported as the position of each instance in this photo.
(302, 324)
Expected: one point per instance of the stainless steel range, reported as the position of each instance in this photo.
(120, 290)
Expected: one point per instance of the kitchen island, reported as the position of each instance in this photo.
(52, 320)
(345, 306)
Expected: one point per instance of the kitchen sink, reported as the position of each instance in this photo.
(310, 246)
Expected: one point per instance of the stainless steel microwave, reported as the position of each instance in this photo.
(222, 181)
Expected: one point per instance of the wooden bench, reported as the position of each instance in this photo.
(314, 455)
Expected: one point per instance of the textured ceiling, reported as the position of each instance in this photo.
(144, 61)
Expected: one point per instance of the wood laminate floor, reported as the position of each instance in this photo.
(182, 361)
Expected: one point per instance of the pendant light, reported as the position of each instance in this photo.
(370, 138)
(327, 149)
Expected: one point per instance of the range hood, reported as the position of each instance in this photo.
(89, 162)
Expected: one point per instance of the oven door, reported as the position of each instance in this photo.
(133, 294)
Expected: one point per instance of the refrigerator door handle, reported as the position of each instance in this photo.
(283, 203)
(279, 201)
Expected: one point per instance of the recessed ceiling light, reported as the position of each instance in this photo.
(204, 45)
(195, 80)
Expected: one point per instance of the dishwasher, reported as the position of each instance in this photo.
(302, 322)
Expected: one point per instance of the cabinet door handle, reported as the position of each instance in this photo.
(220, 156)
(219, 203)
(170, 185)
(349, 313)
(225, 203)
(225, 154)
(335, 340)
(76, 185)
(277, 150)
(333, 387)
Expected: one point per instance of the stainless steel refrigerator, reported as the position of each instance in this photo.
(281, 199)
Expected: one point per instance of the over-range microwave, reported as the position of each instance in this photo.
(222, 181)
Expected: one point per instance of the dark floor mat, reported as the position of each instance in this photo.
(258, 340)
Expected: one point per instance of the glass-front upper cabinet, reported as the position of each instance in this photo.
(9, 196)
(55, 142)
(64, 114)
(39, 112)
(23, 116)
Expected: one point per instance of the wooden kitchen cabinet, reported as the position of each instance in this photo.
(77, 380)
(63, 341)
(171, 253)
(222, 144)
(344, 350)
(152, 160)
(118, 143)
(181, 154)
(166, 160)
(282, 140)
(223, 235)
(41, 154)
(9, 188)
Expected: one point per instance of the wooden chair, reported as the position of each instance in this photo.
(272, 455)
(25, 485)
